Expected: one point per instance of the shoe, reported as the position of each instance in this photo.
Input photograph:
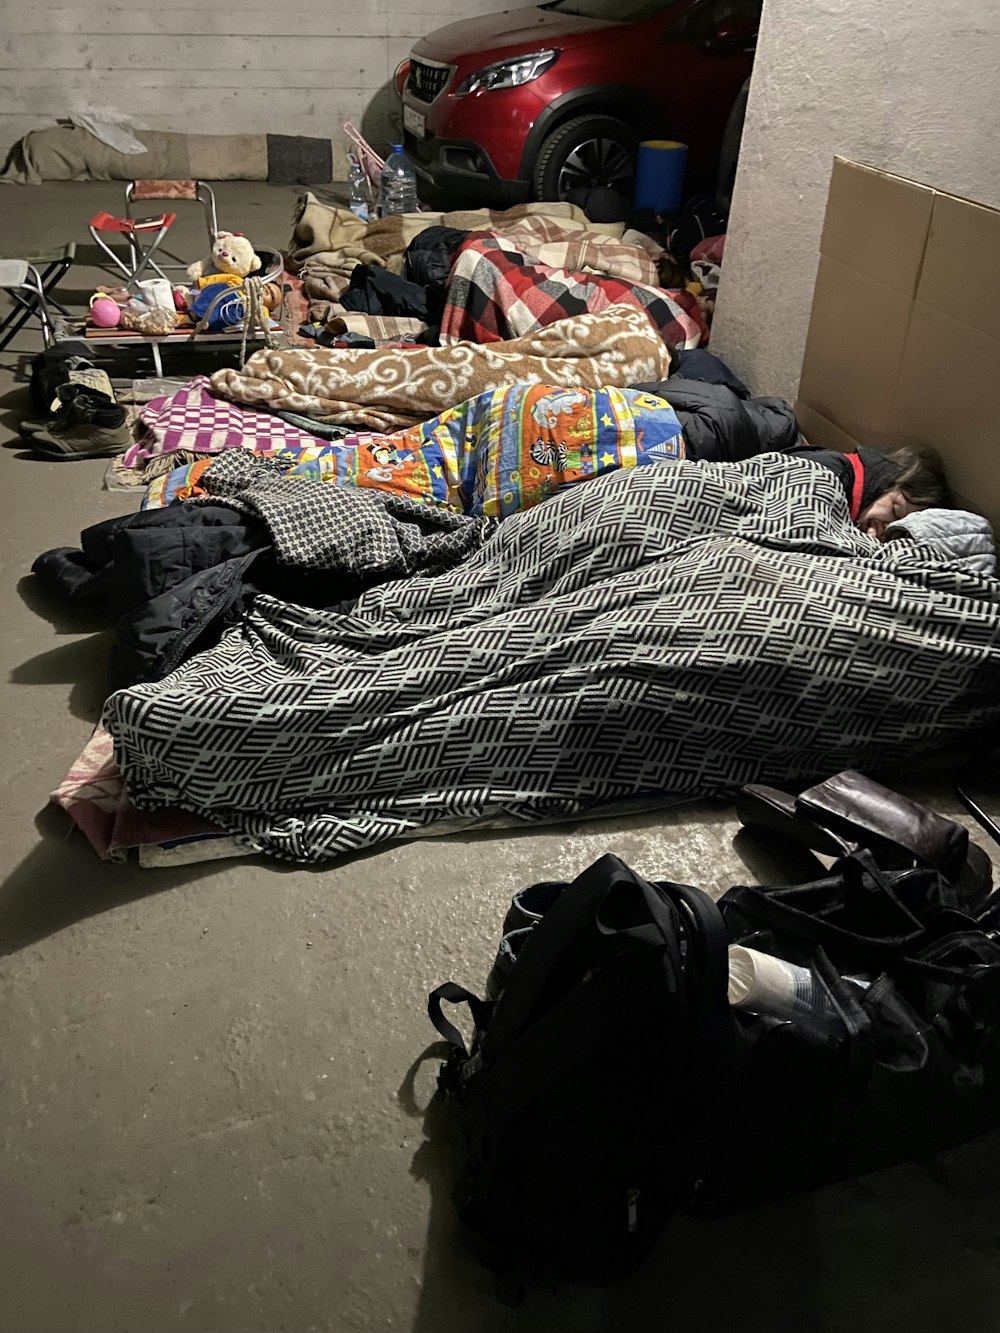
(850, 812)
(526, 910)
(82, 377)
(93, 427)
(529, 905)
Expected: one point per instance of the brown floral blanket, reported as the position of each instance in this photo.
(393, 387)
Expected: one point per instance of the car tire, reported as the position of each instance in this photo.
(586, 152)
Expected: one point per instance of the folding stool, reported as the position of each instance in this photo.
(25, 285)
(143, 191)
(143, 235)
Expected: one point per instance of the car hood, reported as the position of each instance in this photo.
(493, 34)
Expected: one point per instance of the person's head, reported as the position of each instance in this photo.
(916, 481)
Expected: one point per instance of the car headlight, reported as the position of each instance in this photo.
(508, 73)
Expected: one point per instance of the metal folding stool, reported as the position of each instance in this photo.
(50, 266)
(191, 191)
(24, 283)
(144, 237)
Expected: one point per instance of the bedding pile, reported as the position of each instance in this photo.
(682, 628)
(533, 561)
(491, 270)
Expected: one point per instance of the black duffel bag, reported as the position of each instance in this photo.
(916, 1065)
(612, 1084)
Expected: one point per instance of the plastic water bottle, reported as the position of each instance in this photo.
(399, 184)
(357, 184)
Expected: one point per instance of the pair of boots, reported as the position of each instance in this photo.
(87, 424)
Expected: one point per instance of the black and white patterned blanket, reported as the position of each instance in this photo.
(367, 534)
(682, 628)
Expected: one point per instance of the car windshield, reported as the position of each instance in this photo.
(620, 11)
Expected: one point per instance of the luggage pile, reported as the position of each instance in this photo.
(647, 1051)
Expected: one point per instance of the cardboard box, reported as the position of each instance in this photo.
(904, 337)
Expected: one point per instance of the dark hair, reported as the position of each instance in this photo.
(920, 477)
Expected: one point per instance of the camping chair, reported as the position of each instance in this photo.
(143, 235)
(192, 191)
(27, 289)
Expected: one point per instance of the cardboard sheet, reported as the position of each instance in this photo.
(904, 338)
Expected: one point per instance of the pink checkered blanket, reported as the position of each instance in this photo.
(194, 421)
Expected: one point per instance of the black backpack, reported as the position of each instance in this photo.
(593, 1087)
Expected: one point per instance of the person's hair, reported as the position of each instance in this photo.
(920, 478)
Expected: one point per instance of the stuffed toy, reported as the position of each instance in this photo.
(232, 257)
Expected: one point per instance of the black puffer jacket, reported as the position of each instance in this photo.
(170, 578)
(720, 427)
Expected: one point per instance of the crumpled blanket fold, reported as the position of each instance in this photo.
(373, 534)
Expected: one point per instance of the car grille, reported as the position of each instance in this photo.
(426, 81)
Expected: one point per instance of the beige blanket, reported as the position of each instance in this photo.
(391, 388)
(321, 231)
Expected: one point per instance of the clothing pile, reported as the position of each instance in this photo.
(481, 275)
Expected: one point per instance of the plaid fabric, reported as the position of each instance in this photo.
(497, 293)
(370, 535)
(194, 420)
(579, 251)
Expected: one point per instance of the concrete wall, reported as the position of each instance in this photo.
(910, 87)
(251, 66)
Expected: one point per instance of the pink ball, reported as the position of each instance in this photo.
(105, 313)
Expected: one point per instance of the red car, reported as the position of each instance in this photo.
(531, 103)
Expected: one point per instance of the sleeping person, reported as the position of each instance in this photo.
(721, 425)
(509, 449)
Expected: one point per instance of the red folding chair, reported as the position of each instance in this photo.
(144, 236)
(190, 191)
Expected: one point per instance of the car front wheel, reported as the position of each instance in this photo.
(586, 152)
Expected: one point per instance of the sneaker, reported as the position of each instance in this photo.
(84, 441)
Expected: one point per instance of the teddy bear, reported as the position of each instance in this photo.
(232, 257)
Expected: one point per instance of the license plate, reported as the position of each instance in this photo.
(415, 122)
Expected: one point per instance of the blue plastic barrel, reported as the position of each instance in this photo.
(659, 175)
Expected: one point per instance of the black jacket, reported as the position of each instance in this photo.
(168, 577)
(878, 474)
(173, 579)
(721, 427)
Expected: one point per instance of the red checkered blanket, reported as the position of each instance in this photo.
(496, 293)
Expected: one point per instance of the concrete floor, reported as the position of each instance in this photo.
(216, 1080)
